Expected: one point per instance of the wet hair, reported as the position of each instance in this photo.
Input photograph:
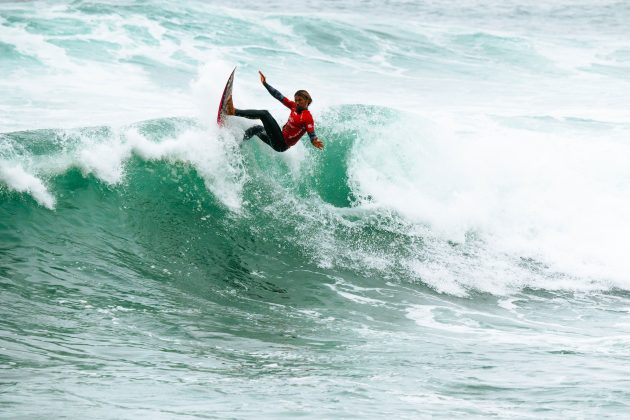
(304, 94)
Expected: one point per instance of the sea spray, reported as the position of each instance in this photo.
(456, 250)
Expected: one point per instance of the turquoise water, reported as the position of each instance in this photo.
(458, 250)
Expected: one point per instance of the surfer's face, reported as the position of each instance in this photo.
(301, 102)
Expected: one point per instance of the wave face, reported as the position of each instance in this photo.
(462, 231)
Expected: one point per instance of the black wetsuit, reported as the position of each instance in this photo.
(269, 132)
(300, 122)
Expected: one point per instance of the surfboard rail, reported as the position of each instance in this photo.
(227, 92)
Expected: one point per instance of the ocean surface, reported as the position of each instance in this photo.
(459, 249)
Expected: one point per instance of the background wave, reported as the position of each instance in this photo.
(394, 194)
(457, 250)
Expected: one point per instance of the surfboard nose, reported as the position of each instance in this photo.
(226, 100)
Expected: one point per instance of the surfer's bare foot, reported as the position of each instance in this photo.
(230, 107)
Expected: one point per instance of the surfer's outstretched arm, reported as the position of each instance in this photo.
(275, 93)
(300, 120)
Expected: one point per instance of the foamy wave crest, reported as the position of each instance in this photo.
(522, 208)
(18, 179)
(105, 153)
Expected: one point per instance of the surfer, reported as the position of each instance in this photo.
(300, 120)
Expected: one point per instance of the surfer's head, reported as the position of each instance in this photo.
(305, 96)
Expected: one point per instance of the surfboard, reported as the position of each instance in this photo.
(227, 92)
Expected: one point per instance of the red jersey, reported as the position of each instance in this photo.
(298, 123)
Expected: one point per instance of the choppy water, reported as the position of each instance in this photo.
(458, 250)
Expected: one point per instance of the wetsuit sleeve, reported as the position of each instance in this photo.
(279, 96)
(310, 127)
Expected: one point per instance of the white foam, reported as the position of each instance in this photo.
(105, 159)
(18, 179)
(354, 297)
(68, 91)
(558, 197)
(459, 322)
(210, 151)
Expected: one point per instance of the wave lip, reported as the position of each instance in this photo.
(19, 180)
(403, 196)
(105, 153)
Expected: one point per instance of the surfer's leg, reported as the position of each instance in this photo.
(259, 131)
(255, 130)
(265, 138)
(272, 129)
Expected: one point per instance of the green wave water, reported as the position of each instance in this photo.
(455, 251)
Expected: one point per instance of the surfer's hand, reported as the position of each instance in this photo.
(263, 79)
(318, 143)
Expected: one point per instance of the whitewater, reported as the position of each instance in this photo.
(457, 250)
